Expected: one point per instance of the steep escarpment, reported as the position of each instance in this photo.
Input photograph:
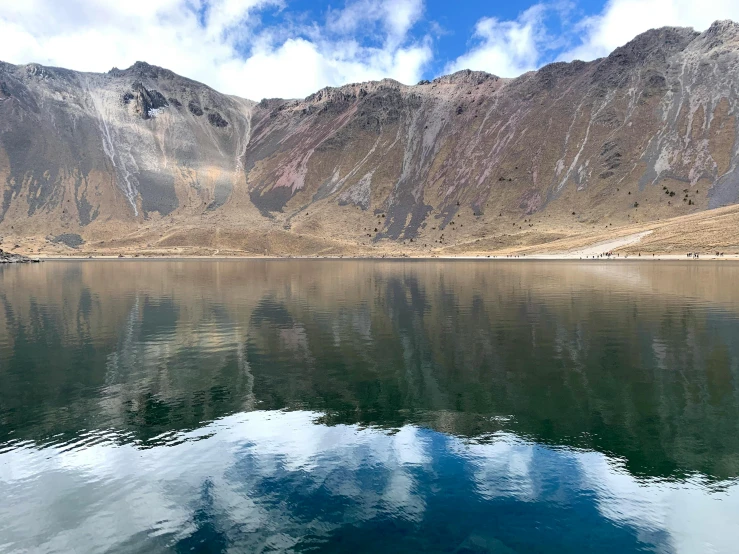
(80, 148)
(469, 161)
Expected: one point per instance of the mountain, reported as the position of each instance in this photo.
(143, 160)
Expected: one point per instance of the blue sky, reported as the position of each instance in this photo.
(290, 48)
(450, 24)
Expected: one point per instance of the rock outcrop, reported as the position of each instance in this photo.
(10, 258)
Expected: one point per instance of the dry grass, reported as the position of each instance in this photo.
(342, 232)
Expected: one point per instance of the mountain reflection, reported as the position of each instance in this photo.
(603, 356)
(271, 404)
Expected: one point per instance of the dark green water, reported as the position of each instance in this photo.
(346, 406)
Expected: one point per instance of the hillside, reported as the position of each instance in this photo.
(144, 161)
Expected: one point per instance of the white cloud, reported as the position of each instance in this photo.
(506, 48)
(622, 20)
(222, 42)
(224, 15)
(305, 66)
(396, 17)
(219, 42)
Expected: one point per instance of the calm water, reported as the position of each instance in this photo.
(344, 406)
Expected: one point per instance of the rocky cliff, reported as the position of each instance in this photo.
(145, 158)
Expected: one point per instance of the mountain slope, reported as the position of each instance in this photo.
(144, 159)
(82, 148)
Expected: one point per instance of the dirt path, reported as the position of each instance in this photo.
(608, 245)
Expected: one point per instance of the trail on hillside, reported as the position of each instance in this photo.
(608, 246)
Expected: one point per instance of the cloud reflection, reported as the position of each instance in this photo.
(277, 477)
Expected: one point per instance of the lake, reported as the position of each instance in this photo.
(369, 406)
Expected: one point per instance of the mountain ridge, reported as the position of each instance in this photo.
(145, 158)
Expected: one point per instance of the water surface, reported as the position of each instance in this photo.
(365, 406)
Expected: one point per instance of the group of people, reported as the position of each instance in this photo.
(604, 255)
(696, 255)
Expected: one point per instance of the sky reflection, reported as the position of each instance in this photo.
(279, 478)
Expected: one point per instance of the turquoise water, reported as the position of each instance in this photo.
(357, 406)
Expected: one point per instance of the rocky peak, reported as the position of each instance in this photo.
(143, 70)
(270, 103)
(723, 27)
(467, 77)
(327, 94)
(655, 44)
(651, 49)
(37, 70)
(549, 75)
(720, 33)
(351, 91)
(40, 72)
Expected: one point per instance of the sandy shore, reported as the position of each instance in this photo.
(534, 257)
(625, 247)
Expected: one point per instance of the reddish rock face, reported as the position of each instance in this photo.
(80, 151)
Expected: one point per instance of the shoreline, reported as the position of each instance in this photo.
(521, 258)
(705, 233)
(593, 251)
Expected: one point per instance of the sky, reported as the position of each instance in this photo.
(290, 48)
